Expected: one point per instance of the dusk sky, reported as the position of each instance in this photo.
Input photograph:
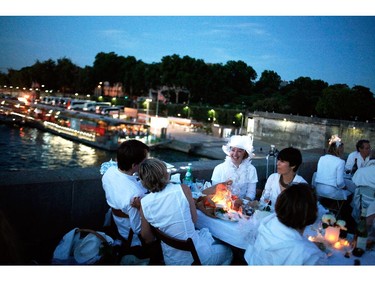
(330, 40)
(335, 49)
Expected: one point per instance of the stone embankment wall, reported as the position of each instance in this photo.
(44, 205)
(307, 132)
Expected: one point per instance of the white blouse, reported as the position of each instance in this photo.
(244, 177)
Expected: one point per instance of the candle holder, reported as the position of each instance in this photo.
(332, 234)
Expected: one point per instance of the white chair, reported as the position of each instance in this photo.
(368, 196)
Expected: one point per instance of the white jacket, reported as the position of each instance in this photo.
(277, 244)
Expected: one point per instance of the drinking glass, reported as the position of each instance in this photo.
(266, 197)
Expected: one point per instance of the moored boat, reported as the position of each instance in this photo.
(89, 128)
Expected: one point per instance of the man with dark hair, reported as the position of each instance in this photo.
(362, 154)
(122, 188)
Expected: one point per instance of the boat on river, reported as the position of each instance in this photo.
(92, 129)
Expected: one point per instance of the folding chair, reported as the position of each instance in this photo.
(368, 195)
(184, 245)
(332, 205)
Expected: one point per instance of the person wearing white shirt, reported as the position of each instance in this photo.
(170, 207)
(280, 239)
(330, 183)
(237, 168)
(121, 188)
(288, 161)
(363, 178)
(362, 154)
(329, 180)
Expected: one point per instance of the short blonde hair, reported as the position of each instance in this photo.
(153, 174)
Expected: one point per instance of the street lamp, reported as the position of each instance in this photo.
(212, 113)
(147, 109)
(241, 123)
(188, 111)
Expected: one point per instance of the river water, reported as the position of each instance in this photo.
(24, 148)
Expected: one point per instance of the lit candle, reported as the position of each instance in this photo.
(332, 234)
(337, 245)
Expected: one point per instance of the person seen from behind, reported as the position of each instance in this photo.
(329, 180)
(170, 207)
(280, 239)
(123, 191)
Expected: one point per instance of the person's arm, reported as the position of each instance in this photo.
(146, 231)
(251, 188)
(349, 162)
(251, 191)
(340, 175)
(189, 196)
(216, 175)
(268, 187)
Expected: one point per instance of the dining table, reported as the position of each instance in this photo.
(242, 232)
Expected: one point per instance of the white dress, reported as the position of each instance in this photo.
(244, 177)
(277, 244)
(169, 210)
(272, 186)
(120, 189)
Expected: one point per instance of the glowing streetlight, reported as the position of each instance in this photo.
(241, 114)
(186, 108)
(147, 101)
(211, 114)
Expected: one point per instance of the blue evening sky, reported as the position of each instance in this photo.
(335, 49)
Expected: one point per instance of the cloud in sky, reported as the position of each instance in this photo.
(336, 49)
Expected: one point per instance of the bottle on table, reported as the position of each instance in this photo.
(188, 179)
(361, 233)
(355, 167)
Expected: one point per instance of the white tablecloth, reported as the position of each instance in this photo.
(240, 234)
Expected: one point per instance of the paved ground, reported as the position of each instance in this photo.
(212, 145)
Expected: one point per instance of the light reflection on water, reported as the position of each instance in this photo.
(23, 148)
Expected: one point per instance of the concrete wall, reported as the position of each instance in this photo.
(307, 132)
(44, 205)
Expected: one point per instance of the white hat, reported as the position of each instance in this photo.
(243, 142)
(88, 249)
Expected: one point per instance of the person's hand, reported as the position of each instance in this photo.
(254, 204)
(237, 204)
(136, 203)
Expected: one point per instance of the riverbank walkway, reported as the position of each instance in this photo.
(208, 145)
(211, 146)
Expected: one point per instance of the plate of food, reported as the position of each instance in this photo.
(220, 213)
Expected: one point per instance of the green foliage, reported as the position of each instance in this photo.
(202, 86)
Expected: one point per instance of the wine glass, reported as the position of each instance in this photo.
(266, 198)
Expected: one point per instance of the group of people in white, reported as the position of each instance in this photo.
(141, 196)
